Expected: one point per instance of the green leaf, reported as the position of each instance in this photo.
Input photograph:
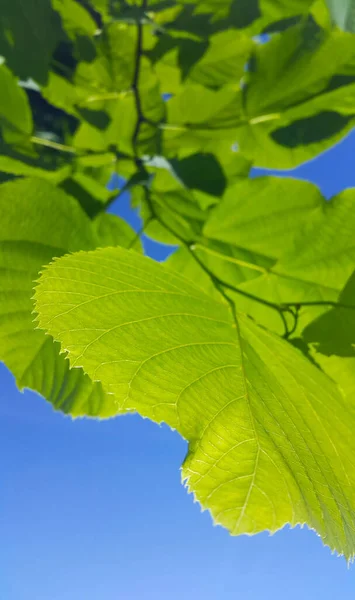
(249, 231)
(29, 33)
(297, 103)
(32, 232)
(114, 231)
(200, 119)
(270, 438)
(75, 19)
(179, 208)
(15, 112)
(64, 94)
(263, 214)
(17, 167)
(220, 62)
(315, 266)
(332, 340)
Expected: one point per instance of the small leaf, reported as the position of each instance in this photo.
(75, 19)
(114, 231)
(15, 112)
(17, 167)
(200, 119)
(332, 340)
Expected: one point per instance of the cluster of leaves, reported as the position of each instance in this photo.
(245, 340)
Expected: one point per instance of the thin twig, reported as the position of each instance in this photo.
(49, 144)
(135, 82)
(139, 233)
(330, 303)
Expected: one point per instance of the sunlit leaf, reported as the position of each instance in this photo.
(315, 266)
(32, 232)
(296, 103)
(270, 439)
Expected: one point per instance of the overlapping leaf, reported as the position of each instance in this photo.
(29, 33)
(293, 251)
(296, 103)
(15, 113)
(270, 439)
(33, 230)
(332, 341)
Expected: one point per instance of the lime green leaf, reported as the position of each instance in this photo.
(15, 113)
(62, 93)
(114, 231)
(224, 61)
(182, 262)
(29, 33)
(250, 229)
(270, 439)
(101, 6)
(200, 119)
(33, 230)
(263, 214)
(314, 267)
(75, 19)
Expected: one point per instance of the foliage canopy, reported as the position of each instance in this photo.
(244, 341)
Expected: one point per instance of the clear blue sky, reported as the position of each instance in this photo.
(96, 511)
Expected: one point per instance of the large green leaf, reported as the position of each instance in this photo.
(40, 222)
(270, 439)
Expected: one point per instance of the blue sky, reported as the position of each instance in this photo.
(96, 511)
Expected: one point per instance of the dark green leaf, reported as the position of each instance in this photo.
(29, 33)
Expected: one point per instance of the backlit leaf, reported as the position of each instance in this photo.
(32, 232)
(295, 103)
(270, 438)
